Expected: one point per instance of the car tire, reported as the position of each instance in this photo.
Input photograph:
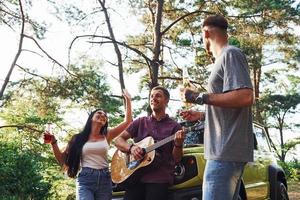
(281, 191)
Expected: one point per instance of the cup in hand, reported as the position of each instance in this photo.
(47, 137)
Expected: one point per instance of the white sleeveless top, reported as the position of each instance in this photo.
(94, 154)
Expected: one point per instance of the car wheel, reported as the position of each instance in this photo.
(281, 190)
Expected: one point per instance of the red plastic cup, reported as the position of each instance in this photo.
(47, 138)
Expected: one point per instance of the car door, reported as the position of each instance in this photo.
(255, 176)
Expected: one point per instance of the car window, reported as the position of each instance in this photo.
(260, 140)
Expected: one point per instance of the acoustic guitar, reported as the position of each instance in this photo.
(123, 165)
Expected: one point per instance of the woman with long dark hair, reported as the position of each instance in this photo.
(86, 153)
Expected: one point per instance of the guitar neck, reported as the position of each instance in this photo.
(160, 143)
(170, 138)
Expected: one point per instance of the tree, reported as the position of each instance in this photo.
(116, 47)
(148, 50)
(33, 102)
(18, 51)
(166, 25)
(265, 33)
(14, 14)
(21, 173)
(276, 109)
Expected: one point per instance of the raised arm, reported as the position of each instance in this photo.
(59, 156)
(114, 132)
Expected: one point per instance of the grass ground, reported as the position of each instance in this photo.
(294, 190)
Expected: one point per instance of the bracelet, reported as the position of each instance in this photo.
(129, 150)
(54, 142)
(178, 146)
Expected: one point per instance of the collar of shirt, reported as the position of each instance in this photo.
(161, 119)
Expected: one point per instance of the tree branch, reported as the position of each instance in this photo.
(184, 16)
(22, 127)
(148, 60)
(50, 57)
(181, 79)
(18, 52)
(116, 47)
(33, 74)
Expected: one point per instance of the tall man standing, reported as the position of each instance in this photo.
(228, 136)
(155, 180)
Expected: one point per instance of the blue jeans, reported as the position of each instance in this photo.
(93, 184)
(222, 180)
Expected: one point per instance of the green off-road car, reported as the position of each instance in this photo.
(262, 179)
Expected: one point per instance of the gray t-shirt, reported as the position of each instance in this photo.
(228, 132)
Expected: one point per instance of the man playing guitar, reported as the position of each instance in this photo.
(155, 179)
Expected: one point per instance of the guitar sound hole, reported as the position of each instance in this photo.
(149, 159)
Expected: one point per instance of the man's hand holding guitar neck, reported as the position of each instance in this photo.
(178, 145)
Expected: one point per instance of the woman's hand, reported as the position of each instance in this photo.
(114, 132)
(49, 138)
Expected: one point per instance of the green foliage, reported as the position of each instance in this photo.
(184, 42)
(292, 169)
(29, 164)
(33, 102)
(278, 105)
(88, 89)
(20, 172)
(62, 186)
(260, 31)
(235, 42)
(275, 109)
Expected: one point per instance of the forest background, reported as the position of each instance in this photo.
(62, 59)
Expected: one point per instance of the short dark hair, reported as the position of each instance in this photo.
(216, 21)
(165, 91)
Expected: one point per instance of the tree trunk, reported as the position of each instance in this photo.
(7, 78)
(116, 47)
(157, 40)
